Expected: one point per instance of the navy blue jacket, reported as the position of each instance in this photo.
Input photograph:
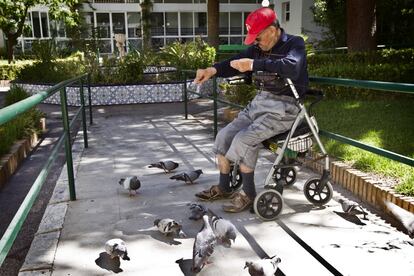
(287, 58)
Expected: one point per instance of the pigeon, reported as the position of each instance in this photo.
(167, 166)
(352, 208)
(130, 183)
(197, 211)
(204, 244)
(187, 176)
(169, 226)
(224, 230)
(263, 267)
(406, 218)
(117, 248)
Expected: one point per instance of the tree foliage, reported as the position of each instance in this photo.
(331, 15)
(394, 22)
(13, 15)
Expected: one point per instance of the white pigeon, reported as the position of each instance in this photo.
(204, 244)
(169, 226)
(117, 248)
(187, 177)
(167, 166)
(130, 183)
(224, 230)
(352, 208)
(406, 218)
(263, 267)
(197, 211)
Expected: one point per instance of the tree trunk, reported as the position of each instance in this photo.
(361, 26)
(213, 12)
(11, 41)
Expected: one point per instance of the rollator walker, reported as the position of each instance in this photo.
(293, 148)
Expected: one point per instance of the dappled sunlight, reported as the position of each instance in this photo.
(352, 105)
(373, 137)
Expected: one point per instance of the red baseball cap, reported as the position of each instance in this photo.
(257, 21)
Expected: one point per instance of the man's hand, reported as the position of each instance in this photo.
(203, 75)
(243, 64)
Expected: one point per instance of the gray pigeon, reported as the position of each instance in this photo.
(204, 244)
(167, 166)
(352, 208)
(197, 211)
(187, 177)
(406, 218)
(130, 183)
(224, 230)
(169, 226)
(117, 248)
(263, 267)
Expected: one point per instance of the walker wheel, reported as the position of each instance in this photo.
(268, 204)
(235, 182)
(315, 194)
(286, 175)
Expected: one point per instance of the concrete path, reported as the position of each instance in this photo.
(309, 240)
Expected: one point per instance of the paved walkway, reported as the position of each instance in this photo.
(321, 242)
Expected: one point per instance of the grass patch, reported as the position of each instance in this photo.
(387, 124)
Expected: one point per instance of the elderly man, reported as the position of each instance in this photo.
(271, 112)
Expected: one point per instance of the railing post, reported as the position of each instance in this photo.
(82, 98)
(185, 95)
(215, 105)
(90, 99)
(69, 161)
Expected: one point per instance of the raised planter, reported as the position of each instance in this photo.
(117, 94)
(19, 151)
(365, 187)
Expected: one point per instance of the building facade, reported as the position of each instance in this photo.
(171, 20)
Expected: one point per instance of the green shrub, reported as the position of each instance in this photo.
(52, 72)
(44, 50)
(190, 55)
(14, 95)
(131, 68)
(240, 94)
(20, 127)
(385, 65)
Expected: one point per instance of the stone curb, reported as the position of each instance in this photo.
(363, 186)
(19, 151)
(40, 257)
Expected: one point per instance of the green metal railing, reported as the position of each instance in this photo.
(377, 85)
(9, 113)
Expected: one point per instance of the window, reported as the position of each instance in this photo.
(36, 25)
(28, 30)
(236, 24)
(186, 23)
(157, 24)
(118, 23)
(285, 11)
(89, 25)
(45, 24)
(102, 23)
(171, 23)
(224, 23)
(57, 28)
(134, 24)
(200, 20)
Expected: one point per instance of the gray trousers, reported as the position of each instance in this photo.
(264, 117)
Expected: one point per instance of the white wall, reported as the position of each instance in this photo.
(301, 19)
(293, 26)
(308, 25)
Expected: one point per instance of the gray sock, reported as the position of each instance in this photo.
(224, 182)
(248, 184)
